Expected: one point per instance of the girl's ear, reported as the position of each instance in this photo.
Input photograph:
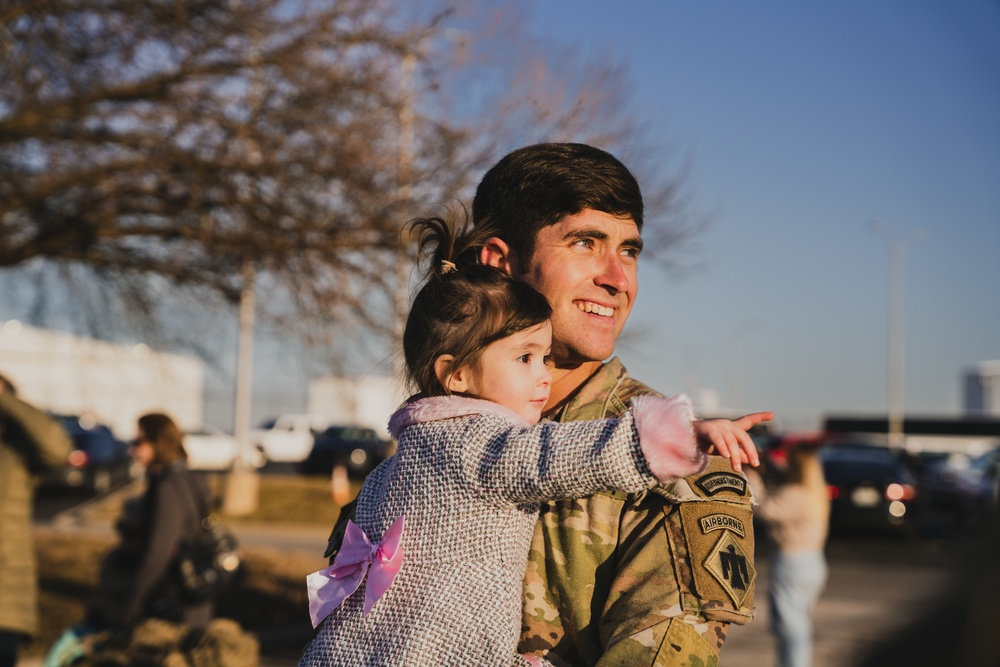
(496, 252)
(456, 381)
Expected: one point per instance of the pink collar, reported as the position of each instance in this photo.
(448, 407)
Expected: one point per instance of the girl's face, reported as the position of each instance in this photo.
(512, 372)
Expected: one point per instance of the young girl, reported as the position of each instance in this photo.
(432, 571)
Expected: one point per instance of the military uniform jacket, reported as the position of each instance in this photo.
(651, 578)
(466, 477)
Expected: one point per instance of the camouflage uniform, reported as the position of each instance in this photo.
(653, 578)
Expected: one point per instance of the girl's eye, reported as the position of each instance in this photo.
(525, 358)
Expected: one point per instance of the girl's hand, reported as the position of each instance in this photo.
(729, 438)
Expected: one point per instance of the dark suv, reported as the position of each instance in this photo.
(357, 448)
(98, 462)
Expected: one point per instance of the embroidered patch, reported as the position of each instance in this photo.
(731, 567)
(722, 522)
(718, 482)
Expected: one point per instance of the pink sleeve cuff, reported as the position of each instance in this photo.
(666, 436)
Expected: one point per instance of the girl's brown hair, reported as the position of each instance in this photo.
(162, 433)
(463, 306)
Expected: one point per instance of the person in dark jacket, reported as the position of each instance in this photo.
(30, 441)
(170, 512)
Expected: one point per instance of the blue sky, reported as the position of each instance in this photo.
(805, 121)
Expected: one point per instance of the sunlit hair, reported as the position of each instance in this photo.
(806, 469)
(166, 438)
(463, 307)
(537, 186)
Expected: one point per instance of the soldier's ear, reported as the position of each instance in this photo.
(496, 252)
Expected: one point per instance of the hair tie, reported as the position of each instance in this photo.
(447, 267)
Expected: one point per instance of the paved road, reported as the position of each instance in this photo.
(875, 587)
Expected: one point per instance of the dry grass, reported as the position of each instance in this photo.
(297, 499)
(270, 601)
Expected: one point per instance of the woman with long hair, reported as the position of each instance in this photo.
(797, 517)
(170, 512)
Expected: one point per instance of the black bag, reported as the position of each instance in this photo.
(209, 562)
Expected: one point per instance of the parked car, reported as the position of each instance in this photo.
(870, 488)
(964, 488)
(357, 448)
(98, 462)
(210, 448)
(288, 438)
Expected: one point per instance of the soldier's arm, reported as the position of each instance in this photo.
(685, 553)
(647, 619)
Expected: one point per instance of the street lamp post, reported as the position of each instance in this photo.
(243, 484)
(897, 250)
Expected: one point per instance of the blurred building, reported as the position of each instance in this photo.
(982, 389)
(115, 384)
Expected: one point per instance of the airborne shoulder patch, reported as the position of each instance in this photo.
(717, 482)
(722, 522)
(720, 546)
(732, 567)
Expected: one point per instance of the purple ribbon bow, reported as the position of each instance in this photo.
(329, 587)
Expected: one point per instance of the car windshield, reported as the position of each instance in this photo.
(350, 434)
(984, 461)
(857, 454)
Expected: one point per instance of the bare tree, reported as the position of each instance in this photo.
(160, 143)
(186, 139)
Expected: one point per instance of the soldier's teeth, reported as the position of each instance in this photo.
(596, 309)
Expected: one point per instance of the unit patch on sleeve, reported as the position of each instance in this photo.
(732, 567)
(718, 482)
(720, 550)
(722, 522)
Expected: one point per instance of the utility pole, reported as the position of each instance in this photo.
(242, 494)
(897, 250)
(243, 482)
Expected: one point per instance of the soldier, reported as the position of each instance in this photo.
(613, 579)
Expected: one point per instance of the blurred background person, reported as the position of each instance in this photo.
(30, 441)
(796, 513)
(169, 512)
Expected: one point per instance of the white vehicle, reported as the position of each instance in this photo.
(289, 438)
(210, 448)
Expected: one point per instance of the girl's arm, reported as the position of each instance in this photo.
(652, 442)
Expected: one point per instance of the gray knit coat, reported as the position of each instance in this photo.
(466, 476)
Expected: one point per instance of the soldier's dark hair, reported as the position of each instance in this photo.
(463, 306)
(539, 185)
